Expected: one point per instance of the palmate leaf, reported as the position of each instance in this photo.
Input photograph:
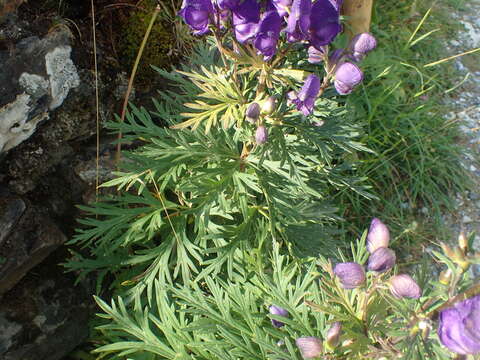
(222, 102)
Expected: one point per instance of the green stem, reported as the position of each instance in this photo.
(132, 77)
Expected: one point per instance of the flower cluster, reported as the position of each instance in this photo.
(381, 259)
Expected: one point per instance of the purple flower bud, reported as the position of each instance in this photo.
(459, 327)
(325, 23)
(261, 135)
(305, 99)
(347, 76)
(269, 105)
(381, 260)
(333, 335)
(298, 24)
(197, 14)
(253, 112)
(316, 56)
(246, 17)
(310, 347)
(276, 310)
(268, 34)
(282, 6)
(361, 44)
(378, 235)
(403, 285)
(351, 274)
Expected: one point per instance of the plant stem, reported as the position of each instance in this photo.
(132, 77)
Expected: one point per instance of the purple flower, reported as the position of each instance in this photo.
(459, 327)
(337, 4)
(268, 34)
(310, 347)
(197, 14)
(253, 112)
(298, 24)
(276, 310)
(403, 285)
(361, 44)
(305, 99)
(351, 274)
(245, 20)
(316, 56)
(381, 260)
(325, 23)
(333, 335)
(227, 4)
(378, 235)
(347, 76)
(282, 6)
(261, 135)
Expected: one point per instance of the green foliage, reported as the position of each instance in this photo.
(195, 202)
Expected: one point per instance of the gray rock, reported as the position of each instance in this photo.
(34, 238)
(11, 209)
(35, 79)
(44, 317)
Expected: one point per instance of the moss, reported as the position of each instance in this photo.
(158, 49)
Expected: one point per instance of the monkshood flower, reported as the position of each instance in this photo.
(333, 335)
(324, 23)
(378, 235)
(227, 4)
(305, 99)
(459, 327)
(337, 4)
(282, 6)
(277, 310)
(253, 112)
(403, 286)
(197, 14)
(310, 347)
(298, 23)
(361, 44)
(351, 274)
(316, 56)
(246, 17)
(261, 135)
(347, 76)
(381, 260)
(268, 34)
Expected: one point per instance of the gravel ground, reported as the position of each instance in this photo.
(466, 110)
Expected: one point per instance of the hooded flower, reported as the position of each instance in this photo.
(245, 20)
(227, 4)
(282, 6)
(268, 34)
(310, 347)
(277, 310)
(378, 235)
(403, 285)
(381, 260)
(333, 334)
(316, 56)
(361, 44)
(305, 99)
(459, 327)
(347, 76)
(261, 135)
(325, 23)
(253, 112)
(351, 274)
(197, 14)
(299, 20)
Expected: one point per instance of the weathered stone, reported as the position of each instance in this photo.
(35, 79)
(11, 209)
(34, 238)
(44, 317)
